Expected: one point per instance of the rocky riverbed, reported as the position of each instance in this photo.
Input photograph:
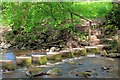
(82, 67)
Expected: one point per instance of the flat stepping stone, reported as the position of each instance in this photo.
(56, 56)
(92, 49)
(7, 65)
(39, 59)
(23, 61)
(67, 54)
(113, 55)
(80, 51)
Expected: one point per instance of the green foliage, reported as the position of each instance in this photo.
(29, 15)
(32, 22)
(113, 17)
(93, 9)
(110, 30)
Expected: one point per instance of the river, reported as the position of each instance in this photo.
(72, 67)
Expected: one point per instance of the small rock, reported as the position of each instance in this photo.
(5, 45)
(95, 74)
(71, 72)
(52, 49)
(76, 74)
(108, 71)
(58, 49)
(47, 50)
(105, 68)
(68, 69)
(29, 73)
(85, 74)
(80, 64)
(88, 71)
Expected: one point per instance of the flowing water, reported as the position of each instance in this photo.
(71, 67)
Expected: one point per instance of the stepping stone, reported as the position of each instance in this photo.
(23, 61)
(80, 51)
(92, 49)
(39, 59)
(7, 65)
(67, 54)
(113, 55)
(56, 56)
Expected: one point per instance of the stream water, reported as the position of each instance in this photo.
(72, 67)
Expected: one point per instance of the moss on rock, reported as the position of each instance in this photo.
(56, 56)
(55, 71)
(35, 70)
(28, 62)
(67, 54)
(92, 49)
(43, 60)
(39, 59)
(103, 53)
(83, 52)
(23, 61)
(79, 52)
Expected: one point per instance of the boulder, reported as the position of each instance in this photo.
(84, 74)
(55, 72)
(35, 70)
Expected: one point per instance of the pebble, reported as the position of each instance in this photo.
(71, 72)
(76, 75)
(88, 71)
(105, 68)
(80, 64)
